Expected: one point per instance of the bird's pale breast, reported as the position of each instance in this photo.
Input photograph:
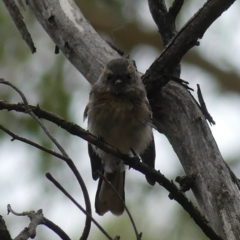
(122, 122)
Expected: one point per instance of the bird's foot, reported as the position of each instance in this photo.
(136, 157)
(99, 139)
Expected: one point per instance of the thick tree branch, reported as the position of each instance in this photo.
(133, 35)
(164, 20)
(4, 233)
(176, 115)
(74, 36)
(181, 120)
(186, 38)
(175, 8)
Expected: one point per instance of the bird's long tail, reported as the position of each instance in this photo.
(106, 199)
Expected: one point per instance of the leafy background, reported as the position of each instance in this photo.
(51, 81)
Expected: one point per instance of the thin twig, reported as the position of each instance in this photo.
(59, 186)
(46, 222)
(180, 81)
(18, 20)
(29, 111)
(69, 162)
(25, 140)
(203, 106)
(35, 219)
(138, 235)
(132, 162)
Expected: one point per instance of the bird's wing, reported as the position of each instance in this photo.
(96, 162)
(85, 113)
(148, 156)
(149, 107)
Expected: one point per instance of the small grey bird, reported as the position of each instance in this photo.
(119, 112)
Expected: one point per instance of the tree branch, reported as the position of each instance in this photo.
(68, 160)
(45, 221)
(18, 20)
(198, 152)
(58, 185)
(74, 36)
(134, 34)
(175, 8)
(203, 106)
(35, 217)
(133, 162)
(4, 233)
(55, 229)
(175, 112)
(36, 145)
(185, 39)
(178, 117)
(164, 21)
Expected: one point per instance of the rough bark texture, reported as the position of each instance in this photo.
(181, 120)
(74, 36)
(176, 113)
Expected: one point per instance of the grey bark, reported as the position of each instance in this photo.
(74, 36)
(179, 118)
(189, 133)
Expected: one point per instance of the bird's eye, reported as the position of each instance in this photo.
(128, 76)
(109, 76)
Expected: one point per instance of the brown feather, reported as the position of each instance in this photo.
(106, 199)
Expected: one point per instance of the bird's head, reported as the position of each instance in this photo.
(120, 76)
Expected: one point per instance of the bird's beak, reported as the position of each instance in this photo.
(118, 81)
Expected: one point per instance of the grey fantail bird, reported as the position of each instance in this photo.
(119, 112)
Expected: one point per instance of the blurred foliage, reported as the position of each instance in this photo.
(49, 81)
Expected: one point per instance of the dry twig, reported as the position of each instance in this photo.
(58, 185)
(132, 162)
(30, 231)
(69, 162)
(18, 20)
